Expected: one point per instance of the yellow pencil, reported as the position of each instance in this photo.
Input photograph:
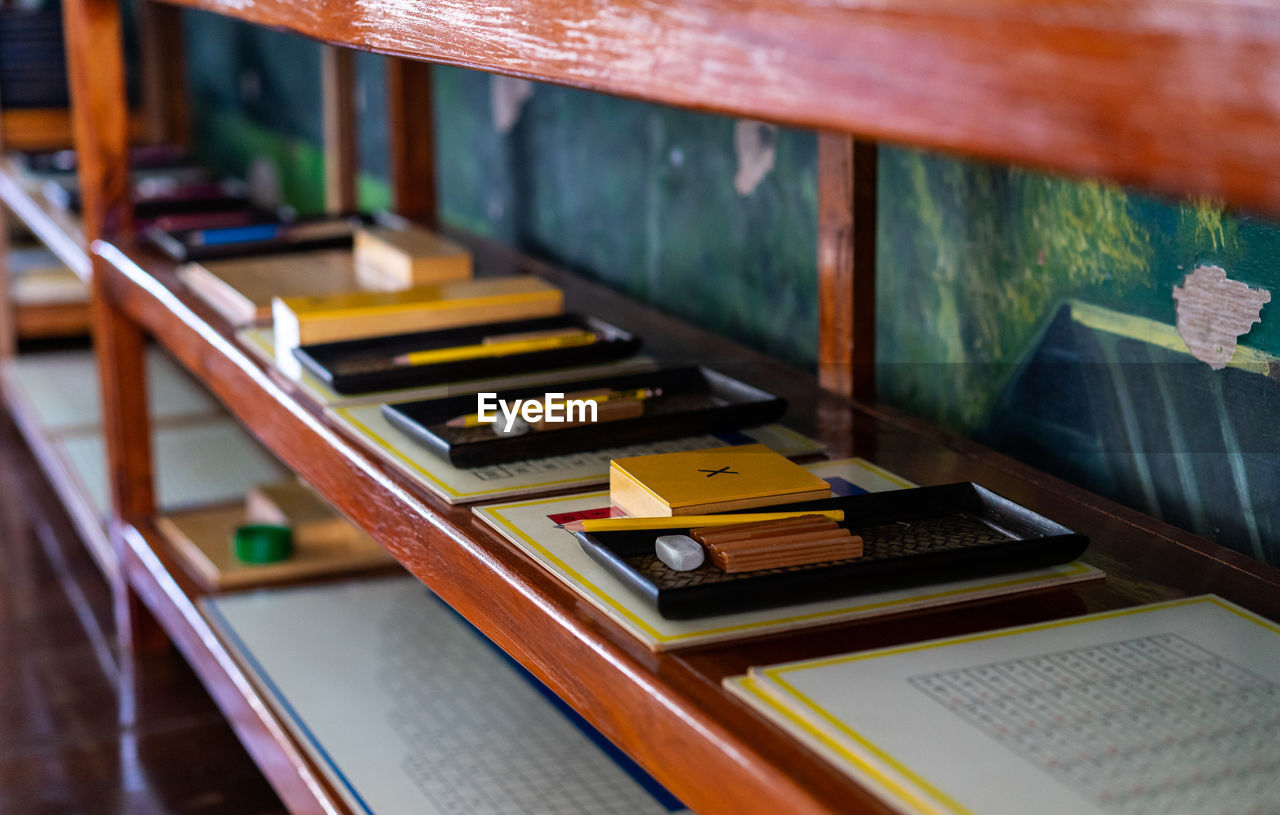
(690, 521)
(459, 353)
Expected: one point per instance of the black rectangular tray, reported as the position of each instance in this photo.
(910, 537)
(178, 244)
(364, 365)
(694, 400)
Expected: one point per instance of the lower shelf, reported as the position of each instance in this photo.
(170, 596)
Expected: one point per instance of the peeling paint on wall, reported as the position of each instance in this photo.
(756, 145)
(507, 96)
(1213, 311)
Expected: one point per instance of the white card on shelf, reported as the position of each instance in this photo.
(60, 389)
(197, 464)
(410, 711)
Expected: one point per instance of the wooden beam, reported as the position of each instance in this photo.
(95, 68)
(1170, 95)
(412, 131)
(48, 128)
(847, 265)
(337, 77)
(161, 40)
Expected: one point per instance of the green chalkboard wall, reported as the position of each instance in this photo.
(1032, 312)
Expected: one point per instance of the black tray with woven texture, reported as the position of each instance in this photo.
(910, 537)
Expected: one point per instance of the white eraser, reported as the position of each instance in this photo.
(518, 427)
(680, 552)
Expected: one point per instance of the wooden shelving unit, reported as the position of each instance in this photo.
(1089, 87)
(654, 706)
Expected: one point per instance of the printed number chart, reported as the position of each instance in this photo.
(1122, 722)
(1172, 708)
(411, 711)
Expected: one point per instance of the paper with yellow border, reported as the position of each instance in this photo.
(1169, 708)
(525, 524)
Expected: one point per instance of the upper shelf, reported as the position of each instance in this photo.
(1174, 95)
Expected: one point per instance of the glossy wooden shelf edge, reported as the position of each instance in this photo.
(656, 706)
(53, 227)
(84, 516)
(171, 596)
(1172, 96)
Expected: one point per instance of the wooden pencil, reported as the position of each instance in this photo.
(689, 521)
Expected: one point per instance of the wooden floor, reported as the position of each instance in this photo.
(82, 731)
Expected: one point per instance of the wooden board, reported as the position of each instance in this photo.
(51, 320)
(1171, 95)
(202, 539)
(47, 128)
(240, 289)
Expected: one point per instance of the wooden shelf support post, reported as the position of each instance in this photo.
(161, 39)
(95, 67)
(847, 265)
(410, 120)
(337, 81)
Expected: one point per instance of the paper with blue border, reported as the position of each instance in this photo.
(525, 524)
(865, 712)
(408, 710)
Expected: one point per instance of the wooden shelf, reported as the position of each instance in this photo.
(1172, 96)
(666, 710)
(47, 128)
(45, 321)
(1169, 94)
(55, 228)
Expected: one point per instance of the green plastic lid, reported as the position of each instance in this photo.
(263, 543)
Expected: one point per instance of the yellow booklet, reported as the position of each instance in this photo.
(241, 289)
(719, 479)
(307, 320)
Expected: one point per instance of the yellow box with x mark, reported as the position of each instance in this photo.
(719, 479)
